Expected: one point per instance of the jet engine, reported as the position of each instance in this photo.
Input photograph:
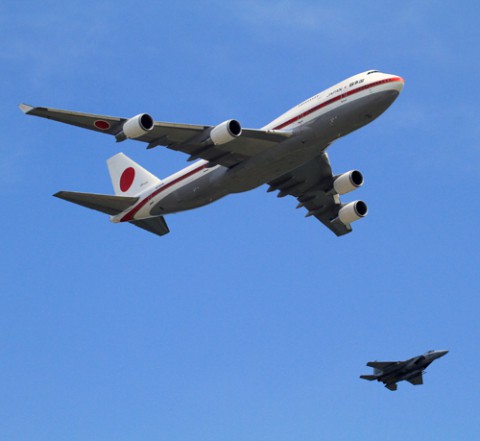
(225, 132)
(352, 212)
(138, 126)
(347, 182)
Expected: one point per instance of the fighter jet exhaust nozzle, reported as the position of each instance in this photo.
(137, 126)
(347, 182)
(225, 132)
(352, 212)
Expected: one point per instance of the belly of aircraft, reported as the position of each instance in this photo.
(312, 140)
(197, 193)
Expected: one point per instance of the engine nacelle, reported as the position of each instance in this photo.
(138, 126)
(347, 182)
(352, 212)
(225, 132)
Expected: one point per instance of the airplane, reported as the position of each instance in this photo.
(411, 370)
(289, 154)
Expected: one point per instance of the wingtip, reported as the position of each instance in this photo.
(59, 194)
(25, 108)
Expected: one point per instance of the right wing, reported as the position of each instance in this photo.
(186, 138)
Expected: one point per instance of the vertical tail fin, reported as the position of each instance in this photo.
(129, 178)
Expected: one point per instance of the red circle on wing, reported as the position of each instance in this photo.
(102, 125)
(126, 180)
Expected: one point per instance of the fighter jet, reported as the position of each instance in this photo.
(411, 370)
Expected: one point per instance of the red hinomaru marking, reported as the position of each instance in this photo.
(131, 214)
(102, 125)
(127, 178)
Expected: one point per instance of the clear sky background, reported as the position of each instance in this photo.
(247, 321)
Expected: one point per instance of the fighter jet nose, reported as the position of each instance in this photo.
(442, 353)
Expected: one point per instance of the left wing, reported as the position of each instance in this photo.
(193, 140)
(382, 365)
(312, 185)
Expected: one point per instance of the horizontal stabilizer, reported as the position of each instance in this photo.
(155, 225)
(368, 377)
(101, 202)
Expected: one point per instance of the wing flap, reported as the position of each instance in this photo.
(100, 202)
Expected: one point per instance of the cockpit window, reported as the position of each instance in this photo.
(372, 71)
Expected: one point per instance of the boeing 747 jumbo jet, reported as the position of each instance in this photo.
(289, 155)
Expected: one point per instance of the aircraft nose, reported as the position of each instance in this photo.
(398, 83)
(442, 353)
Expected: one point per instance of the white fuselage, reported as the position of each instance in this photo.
(315, 123)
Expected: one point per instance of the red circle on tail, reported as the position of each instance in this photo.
(127, 178)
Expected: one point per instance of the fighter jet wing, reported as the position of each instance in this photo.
(311, 184)
(416, 380)
(382, 365)
(187, 138)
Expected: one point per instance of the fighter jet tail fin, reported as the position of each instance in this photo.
(391, 386)
(368, 377)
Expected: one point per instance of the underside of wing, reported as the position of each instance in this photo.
(99, 123)
(313, 185)
(418, 379)
(217, 144)
(250, 143)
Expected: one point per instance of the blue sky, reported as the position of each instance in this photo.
(248, 321)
